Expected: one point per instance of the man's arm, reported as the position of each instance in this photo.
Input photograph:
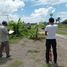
(5, 30)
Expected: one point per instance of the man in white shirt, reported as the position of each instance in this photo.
(4, 39)
(50, 32)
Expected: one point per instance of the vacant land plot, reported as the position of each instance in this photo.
(31, 53)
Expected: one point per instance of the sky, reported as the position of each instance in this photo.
(32, 11)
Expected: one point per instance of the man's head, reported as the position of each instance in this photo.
(4, 23)
(51, 20)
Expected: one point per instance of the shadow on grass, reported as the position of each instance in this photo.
(4, 60)
(38, 39)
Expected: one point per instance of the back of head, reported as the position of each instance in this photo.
(4, 23)
(51, 20)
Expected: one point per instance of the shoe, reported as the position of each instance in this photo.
(7, 56)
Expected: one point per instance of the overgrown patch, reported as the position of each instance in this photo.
(16, 63)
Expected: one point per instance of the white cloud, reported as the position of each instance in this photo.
(10, 6)
(39, 12)
(42, 12)
(66, 5)
(30, 19)
(53, 10)
(50, 2)
(63, 15)
(38, 15)
(13, 17)
(9, 17)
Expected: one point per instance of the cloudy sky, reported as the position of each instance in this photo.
(32, 10)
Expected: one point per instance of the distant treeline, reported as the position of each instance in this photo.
(64, 22)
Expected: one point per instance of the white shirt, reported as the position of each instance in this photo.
(3, 33)
(51, 31)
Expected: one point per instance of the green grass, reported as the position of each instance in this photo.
(14, 40)
(62, 29)
(61, 32)
(16, 63)
(46, 65)
(33, 51)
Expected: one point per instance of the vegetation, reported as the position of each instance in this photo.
(23, 30)
(64, 22)
(62, 29)
(58, 19)
(16, 63)
(27, 30)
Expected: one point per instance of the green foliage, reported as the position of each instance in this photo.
(31, 32)
(64, 22)
(16, 63)
(42, 25)
(62, 29)
(22, 29)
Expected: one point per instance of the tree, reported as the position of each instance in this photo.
(64, 22)
(58, 19)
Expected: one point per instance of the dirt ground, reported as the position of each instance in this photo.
(31, 53)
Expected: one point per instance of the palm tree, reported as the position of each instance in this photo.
(58, 19)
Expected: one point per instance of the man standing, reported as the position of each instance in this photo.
(4, 39)
(50, 32)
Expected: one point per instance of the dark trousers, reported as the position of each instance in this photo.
(4, 45)
(51, 43)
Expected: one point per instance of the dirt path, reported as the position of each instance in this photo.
(30, 53)
(62, 50)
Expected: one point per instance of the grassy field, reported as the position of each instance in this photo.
(14, 40)
(62, 29)
(31, 53)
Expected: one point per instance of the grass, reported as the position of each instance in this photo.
(33, 51)
(61, 32)
(14, 40)
(62, 29)
(46, 65)
(16, 63)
